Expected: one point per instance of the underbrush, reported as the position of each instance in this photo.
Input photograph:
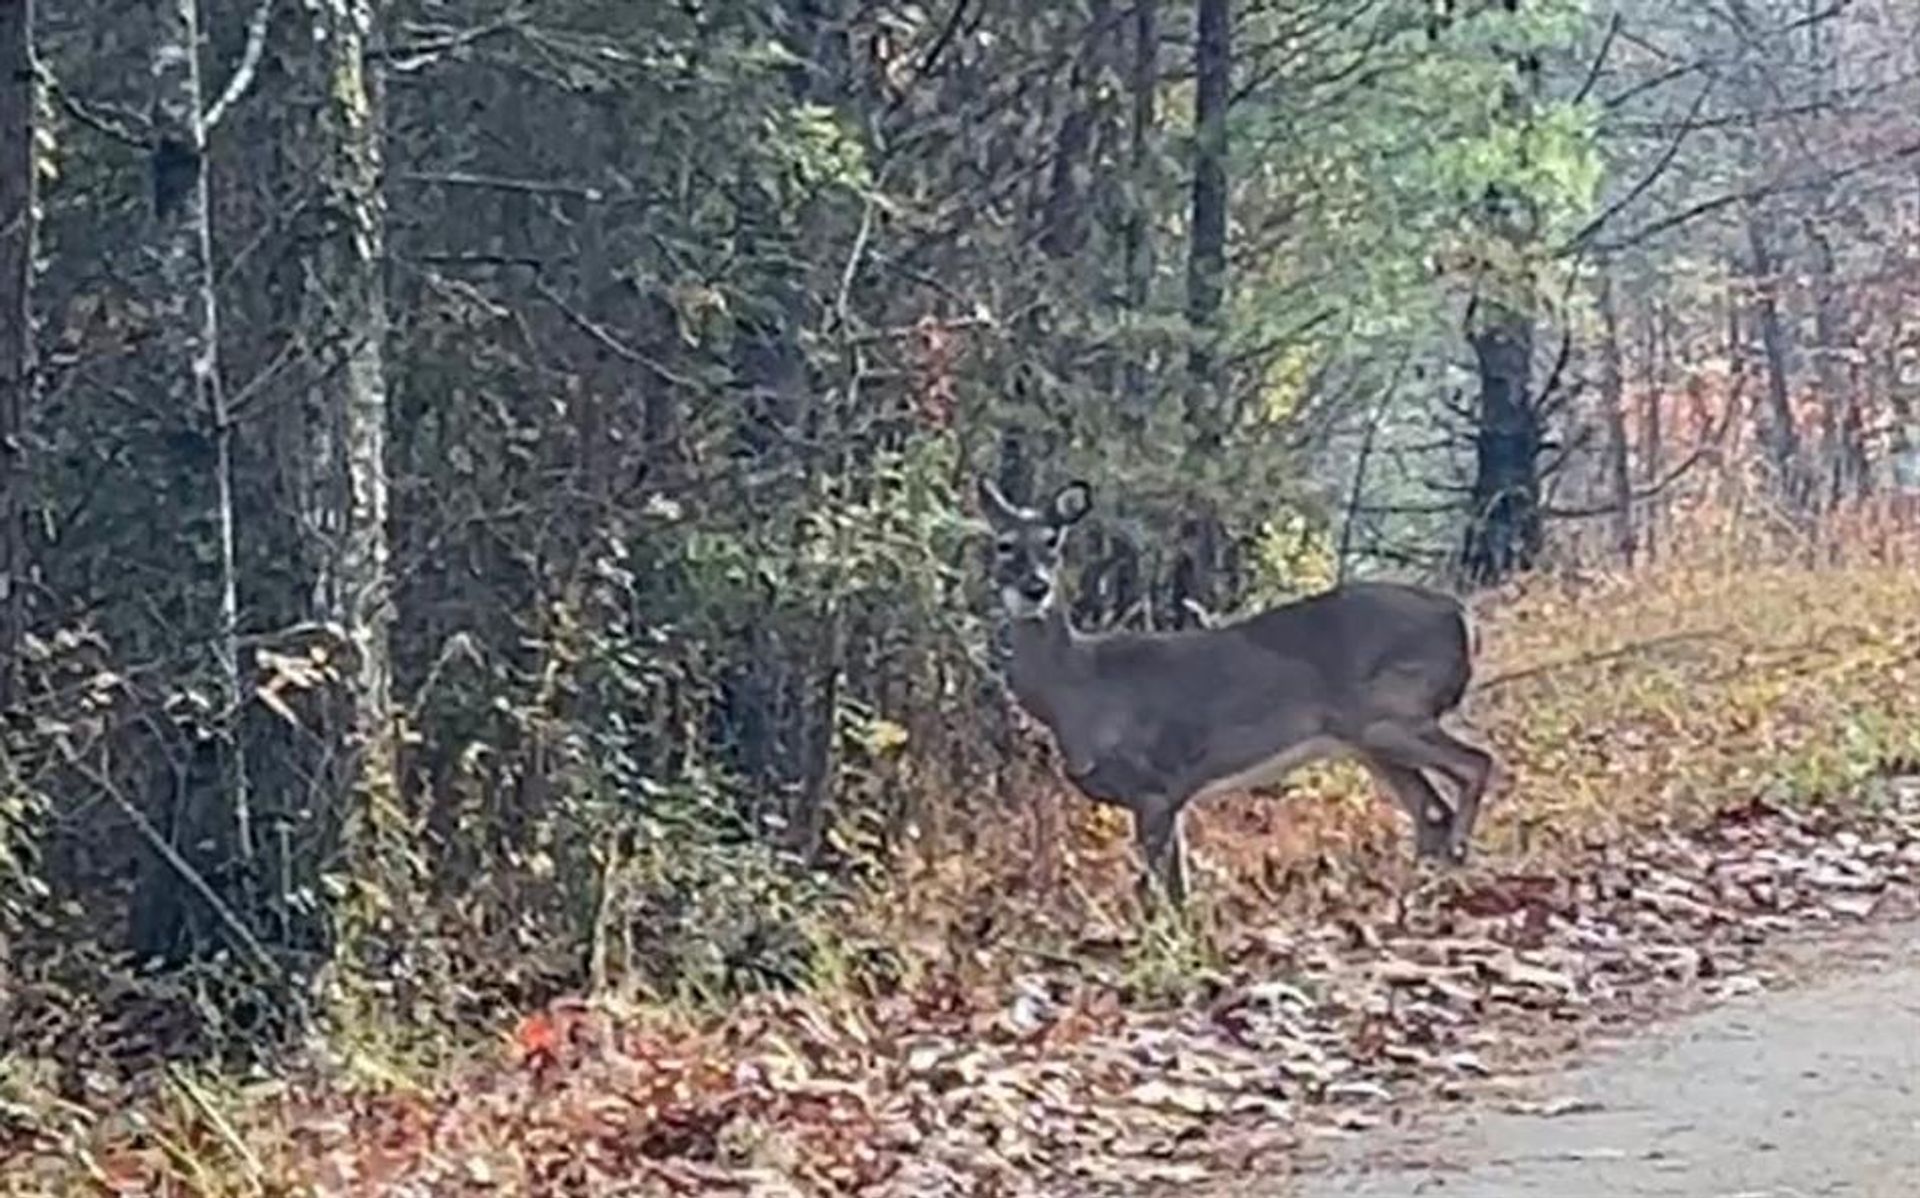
(1622, 707)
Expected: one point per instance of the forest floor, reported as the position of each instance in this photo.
(1317, 1056)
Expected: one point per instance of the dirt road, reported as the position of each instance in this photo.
(1808, 1091)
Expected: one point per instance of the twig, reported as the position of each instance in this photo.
(615, 345)
(1590, 659)
(243, 936)
(576, 191)
(1599, 59)
(1752, 194)
(79, 111)
(222, 1126)
(411, 57)
(1646, 181)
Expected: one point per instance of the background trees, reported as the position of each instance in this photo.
(493, 480)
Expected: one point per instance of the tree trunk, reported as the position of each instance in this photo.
(1842, 457)
(1207, 257)
(1199, 578)
(1504, 535)
(1782, 438)
(1614, 401)
(19, 223)
(212, 816)
(1653, 425)
(347, 415)
(1137, 236)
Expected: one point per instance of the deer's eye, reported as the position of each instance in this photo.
(1052, 538)
(1005, 546)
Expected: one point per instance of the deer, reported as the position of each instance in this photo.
(1153, 721)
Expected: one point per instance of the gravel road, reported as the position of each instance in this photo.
(1806, 1092)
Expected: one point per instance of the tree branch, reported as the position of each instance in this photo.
(118, 126)
(428, 50)
(244, 72)
(1648, 492)
(504, 183)
(1599, 59)
(1708, 207)
(1646, 181)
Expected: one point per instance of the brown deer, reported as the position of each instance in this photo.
(1152, 721)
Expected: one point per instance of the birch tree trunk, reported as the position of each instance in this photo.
(346, 409)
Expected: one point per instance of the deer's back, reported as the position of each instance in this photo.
(1371, 637)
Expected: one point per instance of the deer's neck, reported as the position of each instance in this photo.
(1043, 660)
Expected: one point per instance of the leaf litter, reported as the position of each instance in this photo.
(1049, 1083)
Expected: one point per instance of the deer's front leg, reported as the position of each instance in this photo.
(1163, 850)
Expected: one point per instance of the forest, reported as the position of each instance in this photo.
(502, 691)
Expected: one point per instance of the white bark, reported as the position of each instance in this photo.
(348, 406)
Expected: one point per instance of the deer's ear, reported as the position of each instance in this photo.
(993, 505)
(1071, 502)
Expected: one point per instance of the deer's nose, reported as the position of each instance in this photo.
(1034, 589)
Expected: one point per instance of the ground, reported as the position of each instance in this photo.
(1810, 1090)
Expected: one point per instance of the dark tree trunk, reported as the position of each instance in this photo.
(1782, 438)
(1842, 456)
(1654, 397)
(1505, 535)
(211, 814)
(1653, 424)
(19, 223)
(1207, 259)
(1137, 237)
(1505, 532)
(1203, 575)
(1614, 401)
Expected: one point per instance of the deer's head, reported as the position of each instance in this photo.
(1028, 544)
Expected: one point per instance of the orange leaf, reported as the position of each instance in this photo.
(537, 1036)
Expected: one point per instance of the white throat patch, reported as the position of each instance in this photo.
(1022, 608)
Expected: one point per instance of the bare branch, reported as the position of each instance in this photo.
(1599, 58)
(504, 183)
(1766, 190)
(1647, 180)
(242, 936)
(1650, 491)
(615, 345)
(1590, 659)
(118, 124)
(243, 73)
(413, 56)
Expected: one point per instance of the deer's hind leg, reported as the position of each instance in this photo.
(1163, 850)
(1426, 745)
(1433, 817)
(1473, 771)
